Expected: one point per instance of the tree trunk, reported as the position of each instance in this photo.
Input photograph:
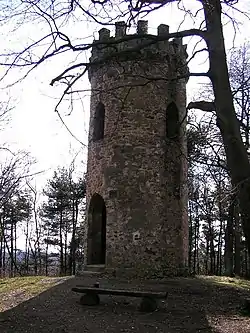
(65, 250)
(229, 239)
(211, 243)
(196, 239)
(46, 259)
(27, 247)
(246, 260)
(1, 247)
(34, 255)
(15, 248)
(61, 243)
(236, 154)
(74, 238)
(27, 261)
(190, 238)
(218, 264)
(37, 242)
(4, 257)
(207, 255)
(11, 247)
(72, 243)
(237, 255)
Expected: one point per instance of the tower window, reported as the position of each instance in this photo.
(99, 119)
(172, 121)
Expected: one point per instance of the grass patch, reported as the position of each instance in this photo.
(227, 281)
(29, 283)
(16, 290)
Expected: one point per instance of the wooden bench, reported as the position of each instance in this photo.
(148, 302)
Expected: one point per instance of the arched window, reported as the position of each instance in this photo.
(172, 121)
(99, 119)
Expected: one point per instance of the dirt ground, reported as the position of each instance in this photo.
(193, 305)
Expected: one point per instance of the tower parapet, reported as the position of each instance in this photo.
(141, 45)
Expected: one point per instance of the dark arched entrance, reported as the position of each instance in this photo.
(96, 231)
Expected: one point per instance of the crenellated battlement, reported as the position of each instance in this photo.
(136, 46)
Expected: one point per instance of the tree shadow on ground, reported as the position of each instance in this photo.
(192, 306)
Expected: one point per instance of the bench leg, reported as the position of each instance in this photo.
(90, 299)
(148, 304)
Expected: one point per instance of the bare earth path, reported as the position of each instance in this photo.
(193, 306)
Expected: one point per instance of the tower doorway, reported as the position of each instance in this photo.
(96, 231)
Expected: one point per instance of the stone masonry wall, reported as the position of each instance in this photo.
(139, 172)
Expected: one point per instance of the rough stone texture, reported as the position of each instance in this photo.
(139, 172)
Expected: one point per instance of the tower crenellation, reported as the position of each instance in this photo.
(138, 45)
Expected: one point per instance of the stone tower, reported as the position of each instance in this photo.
(137, 168)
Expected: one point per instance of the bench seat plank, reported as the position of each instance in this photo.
(121, 292)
